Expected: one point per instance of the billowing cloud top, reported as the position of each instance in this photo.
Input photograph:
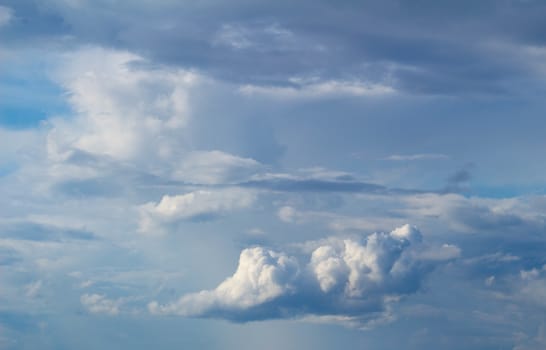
(356, 279)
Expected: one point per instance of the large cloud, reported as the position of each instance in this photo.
(130, 120)
(123, 111)
(353, 279)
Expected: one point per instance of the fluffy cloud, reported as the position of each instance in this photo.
(354, 279)
(262, 276)
(197, 205)
(123, 110)
(130, 118)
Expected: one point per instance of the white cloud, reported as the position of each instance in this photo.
(191, 206)
(131, 118)
(262, 275)
(6, 15)
(353, 279)
(99, 304)
(123, 111)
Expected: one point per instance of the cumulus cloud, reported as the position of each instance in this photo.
(262, 276)
(192, 206)
(353, 279)
(123, 110)
(130, 117)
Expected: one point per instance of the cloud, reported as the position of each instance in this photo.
(354, 279)
(130, 127)
(99, 304)
(32, 289)
(233, 36)
(6, 15)
(418, 156)
(501, 217)
(531, 287)
(370, 42)
(458, 181)
(288, 214)
(318, 182)
(123, 110)
(192, 206)
(215, 167)
(318, 88)
(338, 222)
(262, 276)
(260, 37)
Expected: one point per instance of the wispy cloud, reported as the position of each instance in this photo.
(6, 15)
(419, 156)
(319, 89)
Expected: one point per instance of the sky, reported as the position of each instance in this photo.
(272, 174)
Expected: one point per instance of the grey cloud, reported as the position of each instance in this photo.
(341, 184)
(458, 181)
(452, 50)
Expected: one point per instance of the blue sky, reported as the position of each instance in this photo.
(272, 174)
